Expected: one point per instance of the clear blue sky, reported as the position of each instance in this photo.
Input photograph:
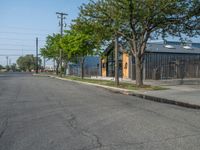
(21, 21)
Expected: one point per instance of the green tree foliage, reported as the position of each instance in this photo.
(52, 49)
(74, 43)
(99, 35)
(78, 44)
(27, 63)
(136, 21)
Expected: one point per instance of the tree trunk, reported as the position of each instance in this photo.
(66, 67)
(82, 68)
(57, 67)
(60, 59)
(139, 69)
(116, 62)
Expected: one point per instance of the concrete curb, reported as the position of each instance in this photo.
(131, 93)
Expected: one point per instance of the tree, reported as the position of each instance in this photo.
(1, 67)
(52, 49)
(7, 68)
(76, 43)
(100, 35)
(13, 67)
(66, 47)
(136, 21)
(27, 63)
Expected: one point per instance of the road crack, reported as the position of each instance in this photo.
(4, 127)
(96, 142)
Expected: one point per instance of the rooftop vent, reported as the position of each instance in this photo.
(169, 46)
(187, 47)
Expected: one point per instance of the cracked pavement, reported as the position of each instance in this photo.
(39, 113)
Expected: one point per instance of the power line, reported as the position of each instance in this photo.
(9, 55)
(25, 28)
(7, 49)
(3, 32)
(17, 45)
(13, 39)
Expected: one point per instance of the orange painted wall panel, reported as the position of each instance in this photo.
(103, 68)
(125, 59)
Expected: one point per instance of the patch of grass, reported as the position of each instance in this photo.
(157, 88)
(48, 73)
(128, 86)
(123, 85)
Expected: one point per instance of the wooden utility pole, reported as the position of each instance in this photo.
(36, 63)
(7, 60)
(61, 16)
(44, 62)
(116, 61)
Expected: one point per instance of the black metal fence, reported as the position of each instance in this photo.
(174, 70)
(75, 70)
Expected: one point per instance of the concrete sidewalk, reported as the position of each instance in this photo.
(184, 92)
(168, 82)
(181, 95)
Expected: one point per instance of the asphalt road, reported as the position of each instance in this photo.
(39, 113)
